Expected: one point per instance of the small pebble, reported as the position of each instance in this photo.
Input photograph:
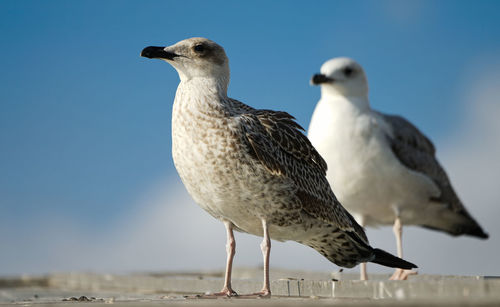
(83, 298)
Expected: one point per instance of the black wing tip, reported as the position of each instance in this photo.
(384, 258)
(478, 233)
(471, 229)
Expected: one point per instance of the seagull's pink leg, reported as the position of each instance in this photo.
(227, 290)
(231, 250)
(362, 271)
(400, 274)
(265, 246)
(362, 267)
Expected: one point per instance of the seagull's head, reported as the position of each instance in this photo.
(192, 58)
(342, 76)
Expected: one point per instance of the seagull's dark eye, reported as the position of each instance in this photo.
(199, 48)
(348, 71)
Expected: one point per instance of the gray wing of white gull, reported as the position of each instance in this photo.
(276, 141)
(416, 151)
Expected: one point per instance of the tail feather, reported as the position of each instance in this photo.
(384, 258)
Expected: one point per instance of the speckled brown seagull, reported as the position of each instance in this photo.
(253, 169)
(384, 169)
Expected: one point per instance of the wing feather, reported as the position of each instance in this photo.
(275, 140)
(416, 151)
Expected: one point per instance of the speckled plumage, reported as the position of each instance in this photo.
(243, 165)
(246, 166)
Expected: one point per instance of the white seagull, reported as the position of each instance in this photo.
(253, 169)
(382, 168)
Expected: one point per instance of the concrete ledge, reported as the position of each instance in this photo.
(320, 286)
(416, 287)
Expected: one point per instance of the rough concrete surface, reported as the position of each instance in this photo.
(290, 288)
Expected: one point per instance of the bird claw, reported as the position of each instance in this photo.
(224, 293)
(401, 274)
(258, 295)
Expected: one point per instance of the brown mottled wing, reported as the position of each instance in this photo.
(416, 151)
(276, 141)
(285, 132)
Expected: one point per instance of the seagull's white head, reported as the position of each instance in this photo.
(342, 76)
(195, 57)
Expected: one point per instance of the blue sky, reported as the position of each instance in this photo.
(85, 121)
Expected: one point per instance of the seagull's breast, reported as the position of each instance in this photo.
(205, 149)
(217, 169)
(339, 129)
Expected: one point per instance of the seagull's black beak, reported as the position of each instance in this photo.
(153, 52)
(318, 79)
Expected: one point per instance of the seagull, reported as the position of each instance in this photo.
(384, 170)
(252, 169)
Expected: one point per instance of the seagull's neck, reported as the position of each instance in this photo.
(335, 117)
(206, 86)
(206, 95)
(352, 104)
